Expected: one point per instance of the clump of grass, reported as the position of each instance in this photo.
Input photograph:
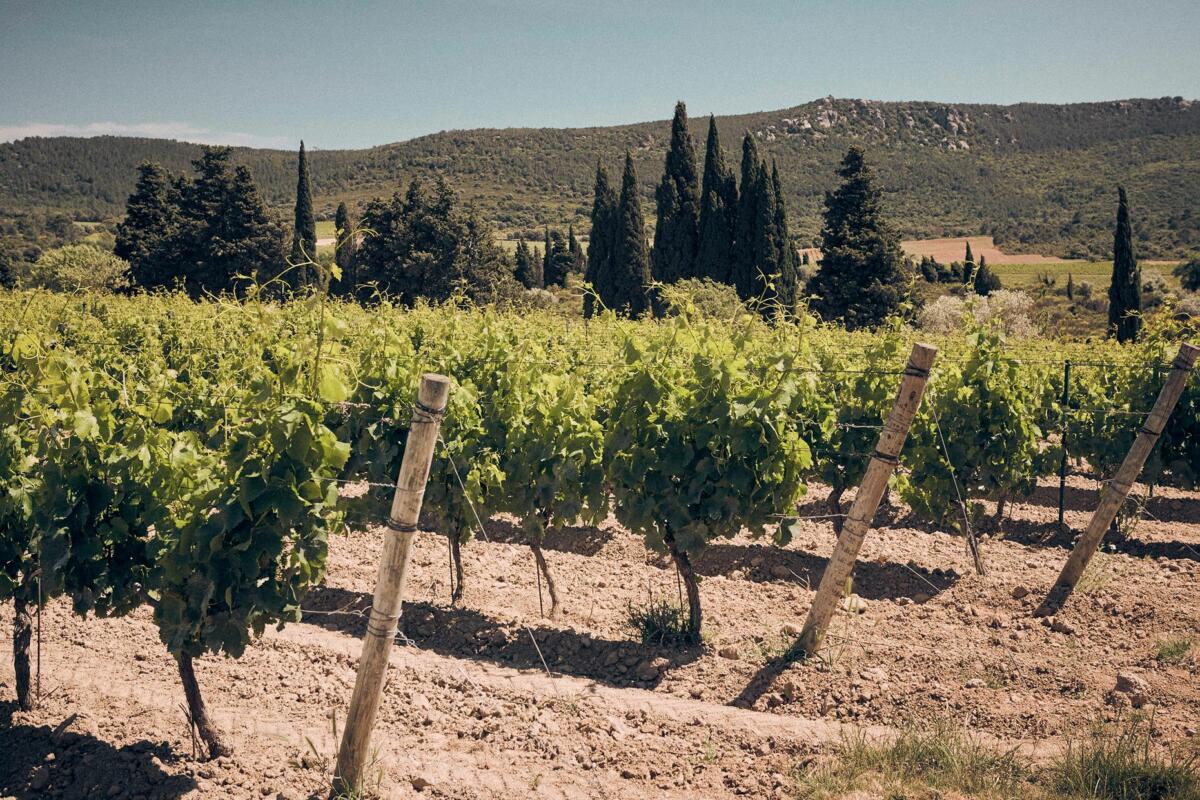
(659, 622)
(920, 761)
(1173, 651)
(1117, 763)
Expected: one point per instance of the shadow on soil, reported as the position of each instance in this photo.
(1077, 499)
(581, 540)
(467, 633)
(83, 766)
(1041, 534)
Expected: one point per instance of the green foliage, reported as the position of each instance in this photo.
(676, 233)
(1125, 290)
(528, 270)
(864, 277)
(1188, 273)
(558, 259)
(986, 280)
(78, 267)
(746, 229)
(422, 244)
(151, 219)
(978, 427)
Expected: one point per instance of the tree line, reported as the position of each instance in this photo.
(212, 232)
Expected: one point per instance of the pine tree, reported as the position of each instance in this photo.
(1125, 291)
(745, 257)
(718, 213)
(863, 278)
(151, 219)
(346, 244)
(601, 241)
(969, 257)
(631, 262)
(304, 231)
(677, 230)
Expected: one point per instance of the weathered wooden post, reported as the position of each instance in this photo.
(1117, 489)
(866, 502)
(389, 585)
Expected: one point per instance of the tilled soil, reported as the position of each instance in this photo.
(470, 711)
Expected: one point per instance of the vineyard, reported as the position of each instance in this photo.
(219, 472)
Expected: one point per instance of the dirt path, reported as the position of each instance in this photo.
(469, 711)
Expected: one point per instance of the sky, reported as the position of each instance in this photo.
(356, 74)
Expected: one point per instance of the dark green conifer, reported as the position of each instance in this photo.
(557, 261)
(969, 257)
(601, 241)
(304, 231)
(631, 262)
(1070, 287)
(346, 243)
(745, 257)
(718, 212)
(578, 260)
(1125, 291)
(787, 281)
(864, 277)
(528, 269)
(151, 219)
(676, 231)
(986, 281)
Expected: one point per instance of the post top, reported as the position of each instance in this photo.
(434, 391)
(922, 356)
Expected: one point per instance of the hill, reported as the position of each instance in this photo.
(1036, 177)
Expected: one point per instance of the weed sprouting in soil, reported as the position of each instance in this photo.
(919, 761)
(659, 622)
(1173, 651)
(1120, 762)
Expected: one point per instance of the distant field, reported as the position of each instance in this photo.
(948, 250)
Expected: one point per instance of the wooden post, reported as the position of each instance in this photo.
(866, 502)
(1117, 489)
(389, 585)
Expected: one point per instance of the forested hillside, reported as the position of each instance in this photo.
(1037, 177)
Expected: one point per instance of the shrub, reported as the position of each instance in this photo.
(1189, 274)
(1120, 764)
(1012, 310)
(79, 266)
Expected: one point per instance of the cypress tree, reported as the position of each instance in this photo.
(528, 271)
(766, 242)
(547, 256)
(1070, 287)
(969, 258)
(575, 250)
(346, 244)
(718, 212)
(1125, 291)
(677, 230)
(151, 217)
(557, 262)
(745, 257)
(304, 231)
(631, 262)
(601, 241)
(863, 277)
(986, 281)
(7, 279)
(787, 282)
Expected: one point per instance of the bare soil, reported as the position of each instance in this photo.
(953, 249)
(470, 711)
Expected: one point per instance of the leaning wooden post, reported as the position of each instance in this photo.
(866, 502)
(1113, 495)
(389, 584)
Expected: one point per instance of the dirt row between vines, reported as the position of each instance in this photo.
(469, 711)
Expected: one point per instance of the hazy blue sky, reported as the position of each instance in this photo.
(356, 74)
